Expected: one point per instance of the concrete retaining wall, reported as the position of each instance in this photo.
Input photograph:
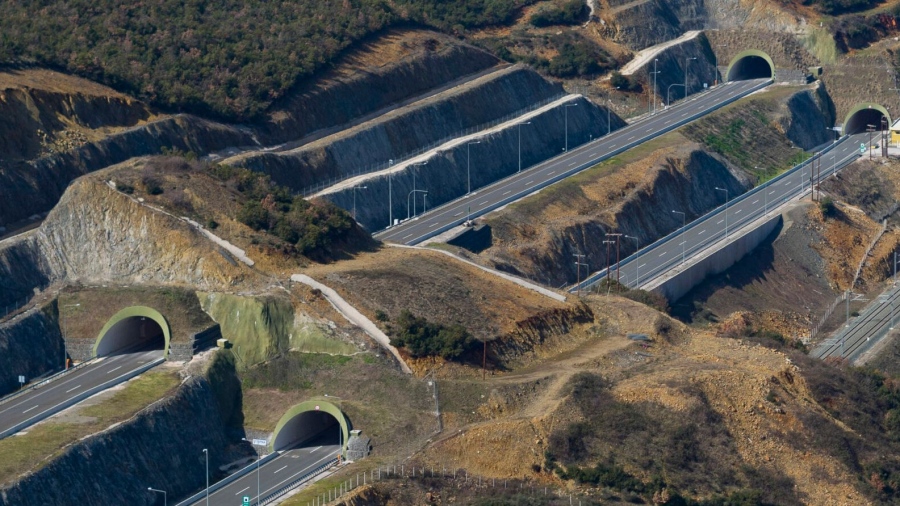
(680, 282)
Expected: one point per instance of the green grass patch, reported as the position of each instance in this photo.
(41, 443)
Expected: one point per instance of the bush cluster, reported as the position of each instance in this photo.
(313, 227)
(570, 12)
(228, 59)
(422, 338)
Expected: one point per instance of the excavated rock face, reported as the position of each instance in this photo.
(161, 444)
(98, 235)
(542, 246)
(30, 346)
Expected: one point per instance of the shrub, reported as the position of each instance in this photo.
(569, 13)
(829, 210)
(254, 215)
(422, 338)
(212, 224)
(624, 83)
(125, 188)
(381, 316)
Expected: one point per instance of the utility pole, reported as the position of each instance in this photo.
(617, 236)
(655, 89)
(578, 258)
(608, 243)
(637, 261)
(884, 150)
(390, 194)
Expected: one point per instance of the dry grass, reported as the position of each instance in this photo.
(432, 285)
(96, 305)
(41, 443)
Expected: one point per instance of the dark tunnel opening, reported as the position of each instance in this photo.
(750, 67)
(860, 121)
(309, 428)
(133, 334)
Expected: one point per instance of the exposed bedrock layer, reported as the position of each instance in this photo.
(405, 130)
(30, 346)
(446, 176)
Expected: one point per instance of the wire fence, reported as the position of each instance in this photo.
(11, 307)
(313, 189)
(453, 478)
(814, 331)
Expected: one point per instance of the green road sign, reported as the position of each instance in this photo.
(246, 500)
(862, 148)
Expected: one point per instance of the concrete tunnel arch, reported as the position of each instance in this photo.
(289, 429)
(750, 64)
(112, 336)
(865, 114)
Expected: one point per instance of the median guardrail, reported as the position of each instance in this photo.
(228, 479)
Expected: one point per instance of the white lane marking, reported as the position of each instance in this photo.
(738, 211)
(720, 221)
(755, 201)
(282, 469)
(551, 173)
(457, 214)
(649, 129)
(667, 122)
(239, 492)
(507, 192)
(76, 388)
(112, 370)
(483, 203)
(642, 265)
(573, 163)
(663, 253)
(314, 449)
(614, 145)
(29, 409)
(632, 137)
(407, 235)
(771, 192)
(702, 232)
(685, 114)
(433, 225)
(529, 182)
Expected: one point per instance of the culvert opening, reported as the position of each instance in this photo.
(750, 67)
(309, 429)
(859, 121)
(132, 334)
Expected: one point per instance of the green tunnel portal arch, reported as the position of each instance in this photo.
(750, 64)
(135, 327)
(865, 114)
(308, 420)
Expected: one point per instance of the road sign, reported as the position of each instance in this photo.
(260, 442)
(862, 148)
(22, 379)
(246, 500)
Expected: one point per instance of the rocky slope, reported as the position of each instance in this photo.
(539, 236)
(30, 345)
(162, 444)
(97, 234)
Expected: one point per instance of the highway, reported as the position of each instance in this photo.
(528, 181)
(869, 327)
(276, 473)
(45, 401)
(666, 253)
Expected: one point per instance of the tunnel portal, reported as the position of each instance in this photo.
(751, 64)
(133, 329)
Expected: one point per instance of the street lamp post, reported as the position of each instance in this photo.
(206, 452)
(566, 108)
(469, 165)
(683, 222)
(686, 62)
(390, 194)
(520, 144)
(655, 89)
(354, 188)
(765, 192)
(609, 114)
(65, 336)
(413, 202)
(163, 492)
(258, 458)
(651, 100)
(669, 93)
(637, 261)
(726, 209)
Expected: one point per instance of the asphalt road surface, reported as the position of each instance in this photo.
(533, 179)
(666, 253)
(276, 473)
(862, 332)
(42, 402)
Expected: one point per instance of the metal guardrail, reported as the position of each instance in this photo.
(568, 173)
(80, 397)
(313, 189)
(597, 276)
(294, 484)
(45, 381)
(228, 479)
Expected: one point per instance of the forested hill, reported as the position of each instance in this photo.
(228, 59)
